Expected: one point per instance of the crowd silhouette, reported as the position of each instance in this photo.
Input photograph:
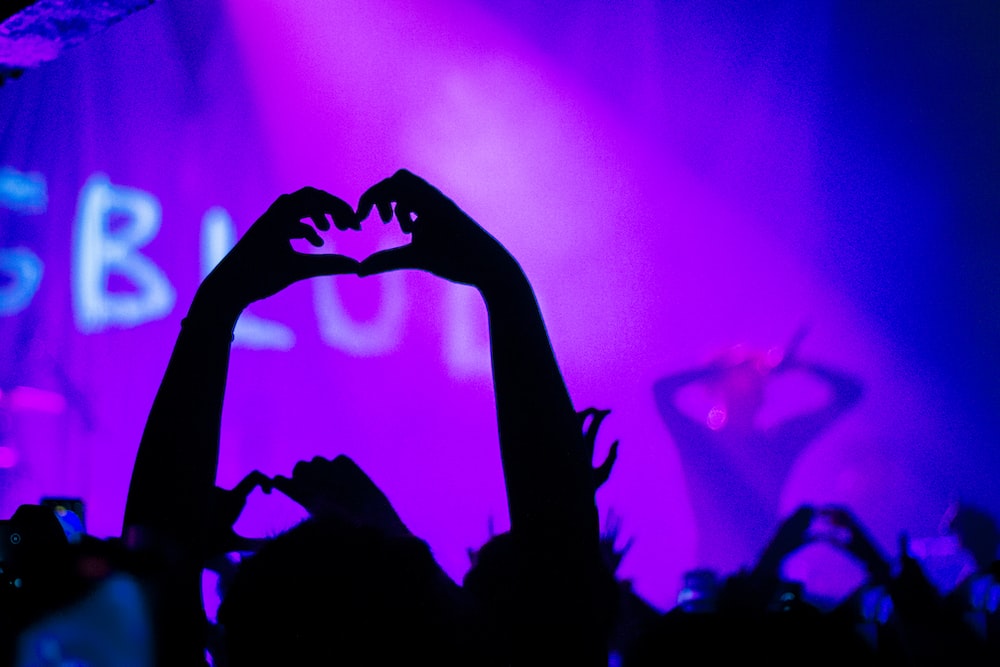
(352, 585)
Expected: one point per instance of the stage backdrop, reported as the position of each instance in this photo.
(677, 179)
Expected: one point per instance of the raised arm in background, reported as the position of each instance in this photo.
(547, 472)
(173, 480)
(742, 384)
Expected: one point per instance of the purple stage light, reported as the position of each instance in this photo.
(8, 457)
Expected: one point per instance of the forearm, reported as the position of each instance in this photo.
(845, 388)
(671, 384)
(177, 461)
(666, 389)
(548, 475)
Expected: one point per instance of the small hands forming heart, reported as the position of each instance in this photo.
(339, 486)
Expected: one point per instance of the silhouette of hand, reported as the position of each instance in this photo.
(613, 555)
(340, 487)
(792, 535)
(226, 509)
(263, 261)
(445, 241)
(850, 536)
(596, 417)
(788, 356)
(911, 590)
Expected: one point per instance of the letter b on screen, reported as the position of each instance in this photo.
(113, 223)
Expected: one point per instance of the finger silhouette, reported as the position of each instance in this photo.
(603, 472)
(307, 232)
(320, 220)
(405, 218)
(250, 482)
(293, 490)
(378, 196)
(342, 214)
(597, 417)
(316, 204)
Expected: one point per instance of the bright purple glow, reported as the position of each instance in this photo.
(33, 399)
(665, 179)
(8, 457)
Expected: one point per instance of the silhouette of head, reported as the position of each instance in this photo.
(740, 387)
(492, 582)
(976, 530)
(496, 583)
(329, 591)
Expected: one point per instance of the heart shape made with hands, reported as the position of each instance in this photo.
(831, 524)
(322, 487)
(358, 242)
(398, 197)
(443, 239)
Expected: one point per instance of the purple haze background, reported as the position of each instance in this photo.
(675, 178)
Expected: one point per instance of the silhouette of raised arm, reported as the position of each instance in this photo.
(547, 472)
(845, 391)
(855, 541)
(173, 481)
(666, 391)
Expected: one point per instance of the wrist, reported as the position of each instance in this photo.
(208, 327)
(502, 283)
(210, 312)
